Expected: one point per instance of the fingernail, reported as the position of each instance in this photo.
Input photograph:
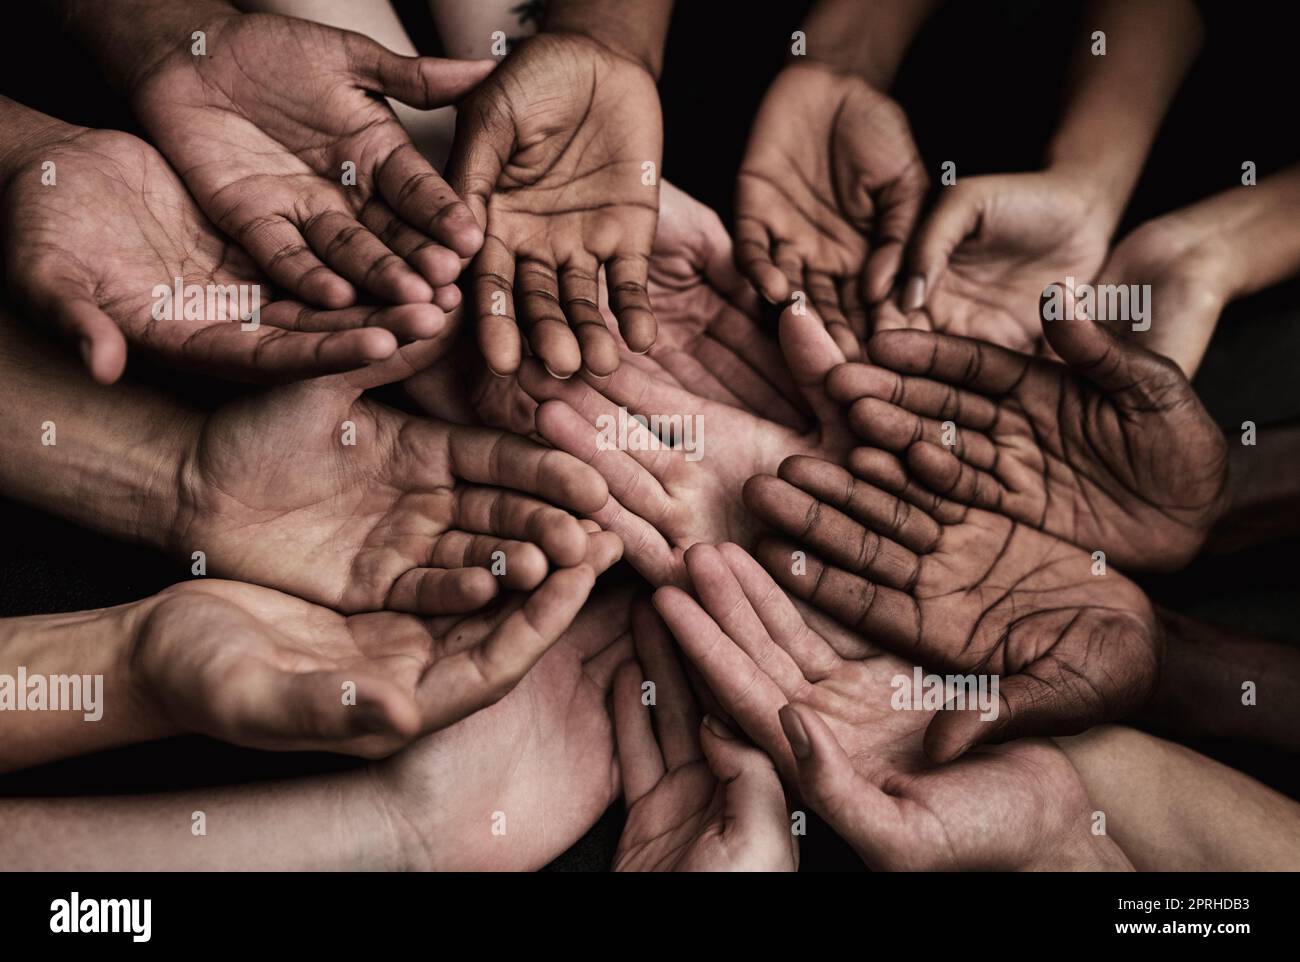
(558, 377)
(914, 296)
(795, 733)
(717, 727)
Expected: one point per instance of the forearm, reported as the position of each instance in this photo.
(1263, 489)
(129, 37)
(1171, 809)
(310, 824)
(466, 29)
(106, 458)
(1114, 102)
(1202, 688)
(865, 37)
(65, 686)
(635, 29)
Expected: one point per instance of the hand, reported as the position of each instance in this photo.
(720, 811)
(259, 668)
(827, 195)
(267, 128)
(408, 517)
(1190, 286)
(983, 256)
(1017, 806)
(957, 587)
(117, 224)
(543, 758)
(664, 500)
(1111, 450)
(549, 155)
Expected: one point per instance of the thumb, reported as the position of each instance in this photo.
(811, 353)
(866, 817)
(900, 206)
(68, 305)
(484, 140)
(754, 802)
(421, 82)
(955, 217)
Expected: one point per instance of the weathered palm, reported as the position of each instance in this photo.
(1111, 451)
(961, 588)
(551, 154)
(345, 502)
(827, 195)
(281, 132)
(117, 224)
(261, 668)
(513, 786)
(989, 249)
(1000, 807)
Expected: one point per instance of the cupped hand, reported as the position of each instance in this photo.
(260, 668)
(983, 256)
(859, 761)
(282, 134)
(513, 786)
(960, 588)
(828, 193)
(118, 224)
(558, 155)
(328, 495)
(1110, 450)
(698, 798)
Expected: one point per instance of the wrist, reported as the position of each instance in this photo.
(1100, 203)
(28, 136)
(633, 31)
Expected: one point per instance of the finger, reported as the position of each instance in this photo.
(954, 217)
(363, 258)
(813, 655)
(469, 680)
(518, 565)
(447, 298)
(639, 759)
(441, 591)
(790, 263)
(630, 302)
(855, 313)
(883, 470)
(857, 810)
(893, 428)
(549, 334)
(932, 399)
(510, 515)
(279, 249)
(498, 329)
(746, 693)
(98, 339)
(831, 534)
(812, 355)
(962, 361)
(676, 716)
(487, 456)
(751, 391)
(1116, 366)
(417, 321)
(754, 257)
(642, 544)
(419, 195)
(879, 612)
(941, 470)
(825, 297)
(579, 294)
(432, 260)
(899, 206)
(754, 810)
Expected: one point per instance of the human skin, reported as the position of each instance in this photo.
(543, 756)
(298, 100)
(408, 517)
(983, 255)
(822, 711)
(699, 799)
(958, 588)
(551, 155)
(116, 223)
(259, 668)
(1110, 450)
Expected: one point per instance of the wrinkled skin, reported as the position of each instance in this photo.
(1111, 451)
(549, 154)
(961, 588)
(1001, 808)
(827, 195)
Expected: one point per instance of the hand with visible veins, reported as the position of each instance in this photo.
(513, 786)
(664, 500)
(116, 224)
(960, 588)
(983, 256)
(408, 514)
(256, 667)
(282, 134)
(1110, 450)
(857, 760)
(549, 155)
(827, 195)
(698, 798)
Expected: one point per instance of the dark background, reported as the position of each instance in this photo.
(981, 87)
